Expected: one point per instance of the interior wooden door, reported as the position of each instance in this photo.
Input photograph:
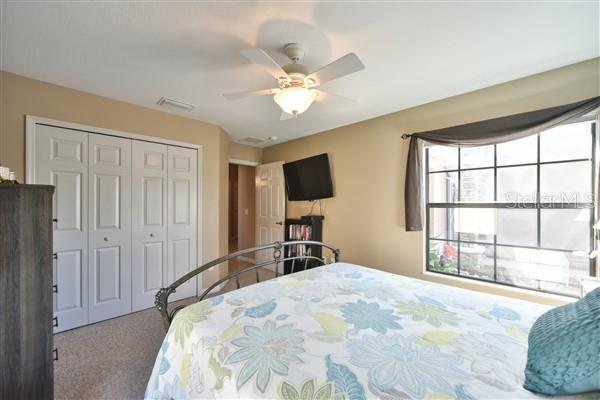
(182, 219)
(110, 227)
(149, 221)
(270, 207)
(61, 159)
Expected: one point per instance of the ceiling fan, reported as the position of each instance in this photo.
(296, 86)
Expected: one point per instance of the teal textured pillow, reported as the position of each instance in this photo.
(564, 349)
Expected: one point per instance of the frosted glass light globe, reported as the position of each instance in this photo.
(295, 100)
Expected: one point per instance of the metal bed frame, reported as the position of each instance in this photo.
(278, 257)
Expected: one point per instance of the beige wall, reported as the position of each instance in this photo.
(239, 151)
(365, 219)
(20, 96)
(246, 201)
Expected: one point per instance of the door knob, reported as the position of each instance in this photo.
(279, 222)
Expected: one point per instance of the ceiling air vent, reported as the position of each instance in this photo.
(167, 101)
(252, 140)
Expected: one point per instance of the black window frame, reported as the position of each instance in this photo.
(538, 205)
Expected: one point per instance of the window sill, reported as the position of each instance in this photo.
(500, 290)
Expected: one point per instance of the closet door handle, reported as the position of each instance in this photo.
(152, 235)
(106, 238)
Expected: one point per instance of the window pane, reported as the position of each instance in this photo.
(522, 151)
(476, 260)
(566, 182)
(443, 256)
(474, 157)
(477, 186)
(577, 267)
(476, 224)
(517, 227)
(518, 266)
(566, 229)
(442, 158)
(443, 187)
(566, 142)
(442, 224)
(541, 269)
(517, 185)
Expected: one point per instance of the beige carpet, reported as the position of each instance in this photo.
(113, 359)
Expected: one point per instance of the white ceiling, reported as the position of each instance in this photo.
(414, 52)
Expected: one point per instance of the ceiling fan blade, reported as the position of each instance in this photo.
(326, 97)
(343, 66)
(251, 93)
(261, 58)
(285, 116)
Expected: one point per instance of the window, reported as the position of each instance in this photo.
(517, 213)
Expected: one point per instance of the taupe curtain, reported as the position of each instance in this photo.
(486, 132)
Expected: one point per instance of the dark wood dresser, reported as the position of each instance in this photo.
(26, 351)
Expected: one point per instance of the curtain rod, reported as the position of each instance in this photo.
(406, 136)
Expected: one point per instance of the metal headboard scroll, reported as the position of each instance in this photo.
(278, 258)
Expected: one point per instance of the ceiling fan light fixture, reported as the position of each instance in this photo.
(295, 100)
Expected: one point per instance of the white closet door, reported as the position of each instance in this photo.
(61, 159)
(149, 222)
(110, 227)
(182, 218)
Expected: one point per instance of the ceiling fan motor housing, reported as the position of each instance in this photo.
(296, 75)
(297, 72)
(294, 51)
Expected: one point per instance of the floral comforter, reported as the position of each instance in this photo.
(346, 332)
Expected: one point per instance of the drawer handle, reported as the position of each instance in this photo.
(55, 354)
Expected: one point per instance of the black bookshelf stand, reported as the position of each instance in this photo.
(308, 227)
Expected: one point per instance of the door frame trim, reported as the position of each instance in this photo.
(30, 132)
(243, 162)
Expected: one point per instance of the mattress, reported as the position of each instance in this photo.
(344, 331)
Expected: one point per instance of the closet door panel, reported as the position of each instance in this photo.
(149, 222)
(110, 227)
(61, 159)
(68, 277)
(182, 218)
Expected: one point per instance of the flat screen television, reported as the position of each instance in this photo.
(308, 179)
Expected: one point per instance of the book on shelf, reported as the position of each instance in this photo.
(300, 232)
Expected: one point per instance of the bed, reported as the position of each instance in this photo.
(343, 331)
